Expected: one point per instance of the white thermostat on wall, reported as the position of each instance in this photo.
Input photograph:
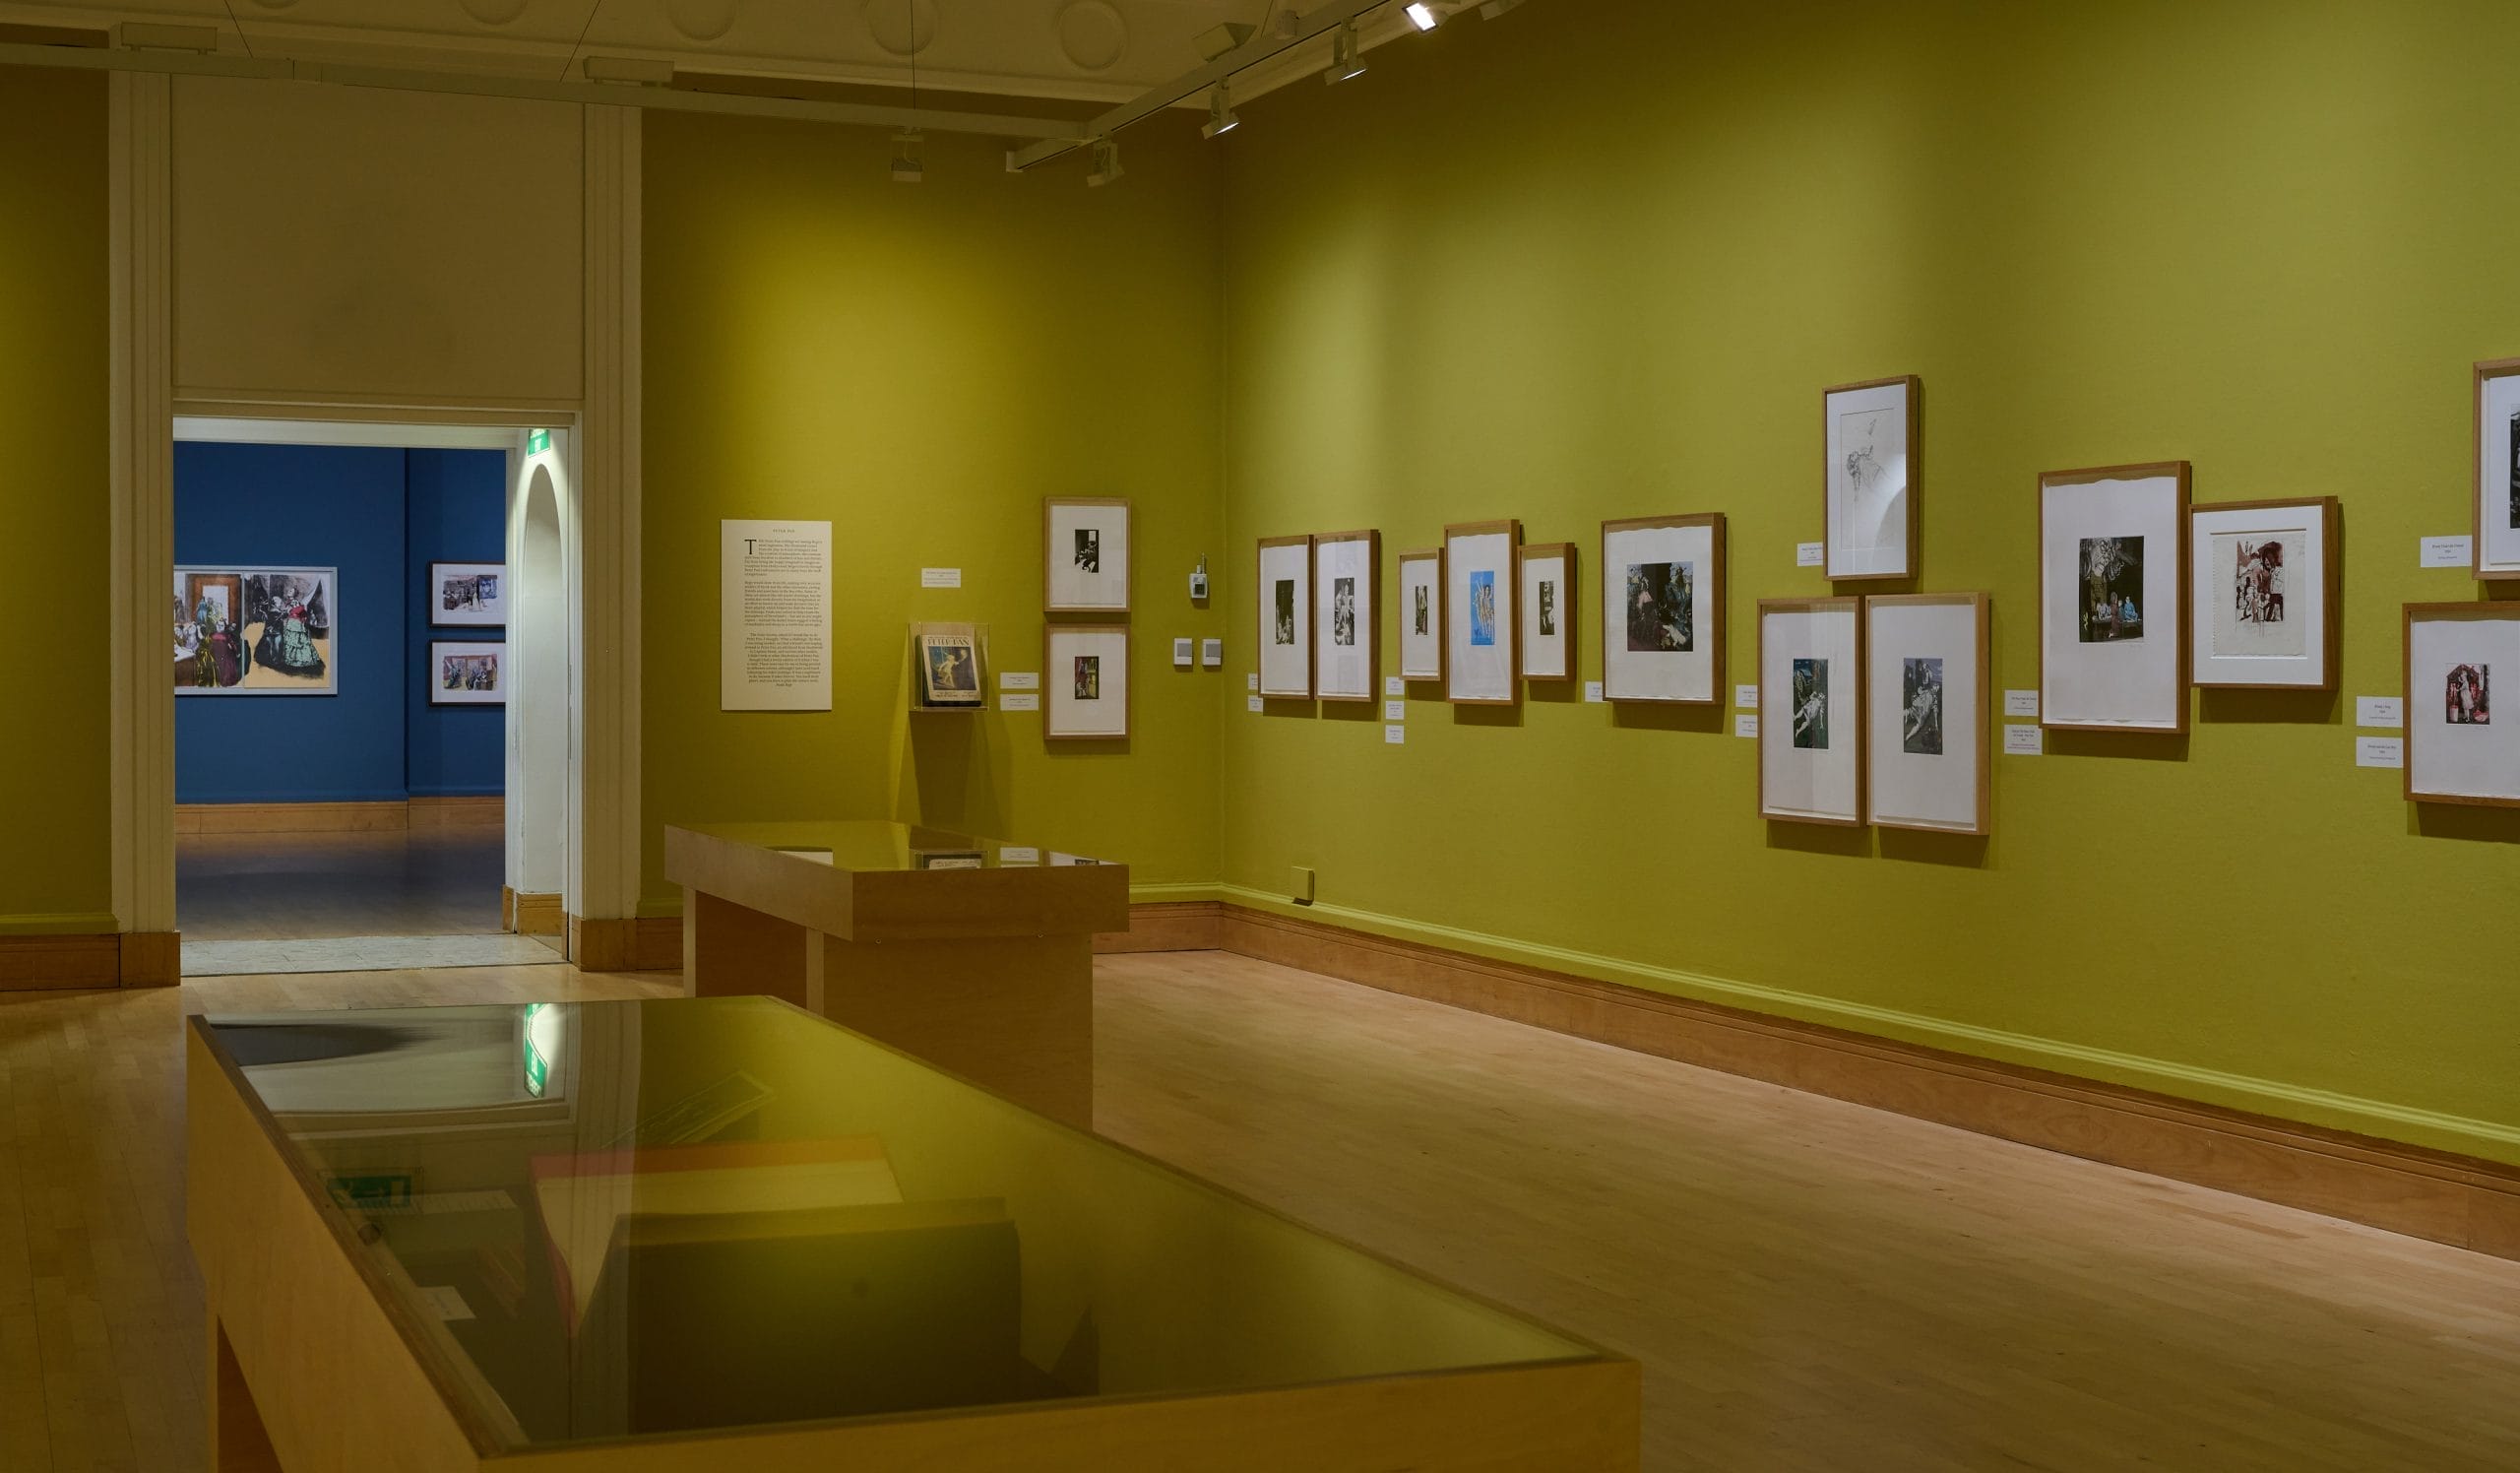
(1199, 582)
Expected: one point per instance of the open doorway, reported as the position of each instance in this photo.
(358, 613)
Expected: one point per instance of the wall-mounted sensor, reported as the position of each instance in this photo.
(1199, 583)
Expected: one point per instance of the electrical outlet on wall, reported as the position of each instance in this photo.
(1299, 885)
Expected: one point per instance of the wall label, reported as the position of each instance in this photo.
(2387, 712)
(774, 630)
(1393, 736)
(1395, 710)
(940, 577)
(2024, 742)
(1019, 702)
(2022, 703)
(1593, 692)
(1252, 704)
(1746, 697)
(1745, 726)
(1019, 680)
(2379, 751)
(1809, 554)
(1011, 855)
(1394, 685)
(2445, 553)
(1251, 681)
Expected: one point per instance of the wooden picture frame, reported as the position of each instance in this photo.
(1330, 668)
(1432, 666)
(1779, 698)
(1550, 610)
(2161, 684)
(1629, 672)
(2493, 545)
(1112, 649)
(1902, 398)
(2321, 556)
(2484, 764)
(1919, 799)
(1485, 662)
(1283, 610)
(1067, 585)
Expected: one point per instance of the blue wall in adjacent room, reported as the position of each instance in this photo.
(380, 517)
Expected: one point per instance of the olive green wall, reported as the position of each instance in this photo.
(54, 801)
(920, 365)
(1597, 259)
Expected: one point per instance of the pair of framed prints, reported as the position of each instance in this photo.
(1913, 755)
(1319, 596)
(1085, 585)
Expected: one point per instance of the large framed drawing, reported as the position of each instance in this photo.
(1662, 609)
(1874, 461)
(1085, 555)
(1085, 669)
(467, 595)
(1480, 627)
(1286, 617)
(467, 672)
(1421, 617)
(1926, 670)
(1812, 700)
(2496, 550)
(2113, 611)
(2456, 751)
(256, 631)
(2262, 596)
(1545, 575)
(1347, 575)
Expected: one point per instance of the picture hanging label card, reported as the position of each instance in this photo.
(2112, 615)
(1662, 609)
(774, 616)
(1479, 615)
(1421, 624)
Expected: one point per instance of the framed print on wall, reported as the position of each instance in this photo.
(467, 595)
(467, 672)
(1421, 622)
(2456, 751)
(1812, 710)
(1346, 571)
(1547, 579)
(1873, 464)
(1480, 629)
(2113, 611)
(2497, 548)
(1662, 609)
(1925, 671)
(2263, 607)
(1085, 678)
(1085, 555)
(1286, 617)
(256, 631)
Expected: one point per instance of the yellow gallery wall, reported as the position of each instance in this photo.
(54, 799)
(1599, 258)
(922, 366)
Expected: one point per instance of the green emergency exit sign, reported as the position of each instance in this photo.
(537, 441)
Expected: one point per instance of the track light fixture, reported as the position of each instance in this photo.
(1494, 8)
(1222, 118)
(907, 168)
(1107, 164)
(1423, 16)
(1346, 56)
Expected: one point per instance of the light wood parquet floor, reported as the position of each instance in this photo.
(1810, 1285)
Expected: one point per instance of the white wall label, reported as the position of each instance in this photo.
(1393, 736)
(1019, 702)
(1809, 554)
(774, 616)
(1181, 651)
(1395, 710)
(1212, 652)
(1010, 855)
(940, 577)
(1394, 685)
(1252, 703)
(2021, 703)
(2445, 553)
(1593, 692)
(1746, 697)
(2387, 712)
(1745, 726)
(2022, 741)
(1251, 681)
(2379, 751)
(1019, 680)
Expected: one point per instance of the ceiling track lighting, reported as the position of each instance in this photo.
(1347, 55)
(1107, 164)
(1494, 8)
(908, 166)
(1423, 16)
(1222, 118)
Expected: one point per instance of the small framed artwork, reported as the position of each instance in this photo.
(951, 661)
(1547, 579)
(1925, 668)
(2496, 547)
(1421, 622)
(1286, 617)
(1480, 628)
(1085, 555)
(1346, 571)
(468, 674)
(1662, 609)
(2262, 594)
(2112, 615)
(1812, 710)
(1872, 474)
(2456, 752)
(468, 593)
(1085, 673)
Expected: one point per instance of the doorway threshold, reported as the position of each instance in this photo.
(362, 954)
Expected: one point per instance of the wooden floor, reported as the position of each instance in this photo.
(290, 887)
(1810, 1285)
